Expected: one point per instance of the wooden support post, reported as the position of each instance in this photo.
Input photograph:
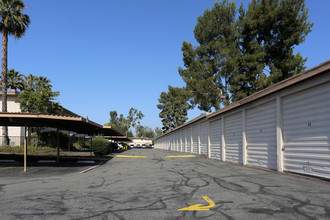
(58, 146)
(25, 149)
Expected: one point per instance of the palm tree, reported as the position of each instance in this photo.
(15, 80)
(12, 22)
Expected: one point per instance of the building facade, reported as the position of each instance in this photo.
(16, 134)
(140, 141)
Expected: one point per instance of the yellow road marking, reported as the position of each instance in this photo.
(131, 156)
(183, 156)
(200, 207)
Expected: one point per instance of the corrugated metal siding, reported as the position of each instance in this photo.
(215, 139)
(261, 135)
(188, 133)
(203, 132)
(177, 141)
(184, 141)
(195, 139)
(183, 137)
(233, 138)
(306, 131)
(173, 142)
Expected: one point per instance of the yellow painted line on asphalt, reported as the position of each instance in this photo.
(182, 156)
(131, 156)
(200, 207)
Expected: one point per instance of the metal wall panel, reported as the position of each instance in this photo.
(184, 147)
(233, 138)
(195, 139)
(173, 141)
(176, 141)
(188, 136)
(261, 135)
(215, 139)
(203, 134)
(182, 140)
(306, 131)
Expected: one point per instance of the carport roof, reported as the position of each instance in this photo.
(110, 131)
(73, 123)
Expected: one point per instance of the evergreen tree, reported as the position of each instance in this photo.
(122, 123)
(174, 107)
(239, 55)
(210, 65)
(269, 30)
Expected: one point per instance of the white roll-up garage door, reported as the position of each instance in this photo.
(176, 141)
(203, 132)
(261, 135)
(172, 142)
(184, 147)
(188, 136)
(233, 138)
(195, 139)
(182, 140)
(306, 131)
(215, 139)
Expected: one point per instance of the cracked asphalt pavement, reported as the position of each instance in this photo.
(155, 188)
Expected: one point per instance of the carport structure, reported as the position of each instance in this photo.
(74, 123)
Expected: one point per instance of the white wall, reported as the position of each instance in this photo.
(15, 133)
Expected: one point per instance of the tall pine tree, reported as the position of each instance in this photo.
(243, 51)
(174, 107)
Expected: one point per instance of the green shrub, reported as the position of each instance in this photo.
(101, 146)
(49, 139)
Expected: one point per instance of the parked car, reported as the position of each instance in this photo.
(131, 146)
(114, 146)
(144, 146)
(138, 146)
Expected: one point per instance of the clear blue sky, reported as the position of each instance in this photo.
(107, 55)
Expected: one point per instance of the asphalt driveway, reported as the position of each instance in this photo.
(146, 184)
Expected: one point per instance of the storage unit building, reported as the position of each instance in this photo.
(285, 127)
